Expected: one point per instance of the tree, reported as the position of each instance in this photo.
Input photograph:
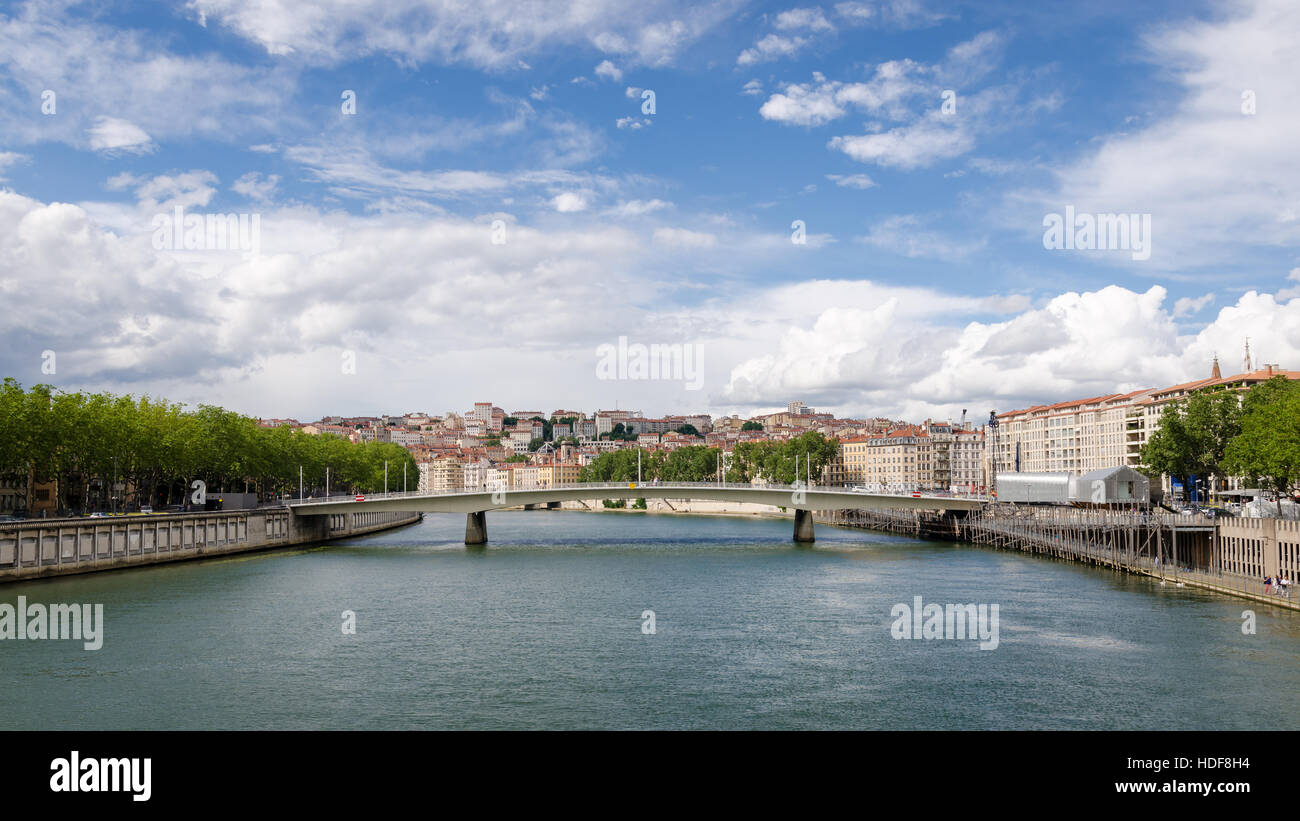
(688, 430)
(1193, 434)
(1267, 451)
(752, 426)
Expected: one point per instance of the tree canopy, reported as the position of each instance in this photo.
(156, 448)
(1267, 451)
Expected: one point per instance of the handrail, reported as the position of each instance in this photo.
(626, 485)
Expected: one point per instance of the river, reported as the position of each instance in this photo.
(544, 629)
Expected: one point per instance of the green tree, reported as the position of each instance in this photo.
(1193, 434)
(1267, 451)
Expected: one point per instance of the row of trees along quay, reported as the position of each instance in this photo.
(1219, 432)
(155, 449)
(775, 462)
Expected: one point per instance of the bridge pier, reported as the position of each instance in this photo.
(803, 526)
(476, 527)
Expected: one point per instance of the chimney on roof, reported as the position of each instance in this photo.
(1214, 372)
(1270, 370)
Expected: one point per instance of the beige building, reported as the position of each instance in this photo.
(442, 474)
(1083, 435)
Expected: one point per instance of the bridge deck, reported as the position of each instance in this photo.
(478, 500)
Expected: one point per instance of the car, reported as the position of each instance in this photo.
(146, 509)
(98, 515)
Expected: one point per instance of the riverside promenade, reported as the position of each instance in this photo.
(1232, 556)
(41, 548)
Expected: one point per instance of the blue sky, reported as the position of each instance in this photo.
(923, 286)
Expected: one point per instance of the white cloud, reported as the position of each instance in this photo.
(822, 100)
(609, 71)
(893, 350)
(491, 34)
(753, 88)
(126, 318)
(772, 47)
(111, 134)
(859, 181)
(907, 235)
(255, 186)
(898, 14)
(1293, 291)
(1187, 306)
(920, 144)
(683, 238)
(913, 94)
(120, 90)
(811, 18)
(638, 208)
(569, 202)
(632, 122)
(8, 158)
(1210, 175)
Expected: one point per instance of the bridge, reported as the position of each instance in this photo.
(476, 503)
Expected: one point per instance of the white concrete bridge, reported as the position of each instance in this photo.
(476, 503)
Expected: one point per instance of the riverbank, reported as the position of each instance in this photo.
(59, 547)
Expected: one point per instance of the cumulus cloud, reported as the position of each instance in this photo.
(888, 352)
(264, 334)
(608, 71)
(912, 94)
(568, 202)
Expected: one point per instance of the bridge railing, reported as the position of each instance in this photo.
(597, 486)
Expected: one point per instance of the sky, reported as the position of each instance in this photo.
(850, 204)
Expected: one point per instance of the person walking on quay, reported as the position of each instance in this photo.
(1268, 584)
(1286, 586)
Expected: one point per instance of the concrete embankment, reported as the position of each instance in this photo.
(1230, 556)
(40, 548)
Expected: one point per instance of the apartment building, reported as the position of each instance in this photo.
(442, 474)
(1083, 435)
(606, 420)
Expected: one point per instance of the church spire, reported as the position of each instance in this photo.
(1214, 373)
